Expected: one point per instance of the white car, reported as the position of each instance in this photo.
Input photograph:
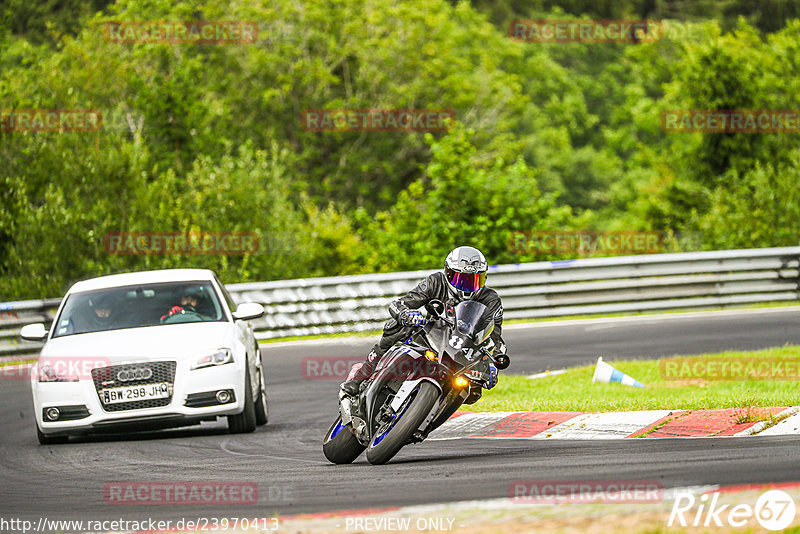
(147, 350)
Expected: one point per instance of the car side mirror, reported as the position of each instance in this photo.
(435, 308)
(247, 311)
(33, 332)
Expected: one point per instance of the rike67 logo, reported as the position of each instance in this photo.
(773, 510)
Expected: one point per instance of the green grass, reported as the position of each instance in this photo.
(16, 362)
(574, 391)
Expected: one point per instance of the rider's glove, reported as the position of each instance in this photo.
(172, 311)
(411, 318)
(492, 380)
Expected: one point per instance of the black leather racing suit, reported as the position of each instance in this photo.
(434, 286)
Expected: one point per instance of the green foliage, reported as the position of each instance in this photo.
(461, 200)
(208, 138)
(766, 15)
(762, 205)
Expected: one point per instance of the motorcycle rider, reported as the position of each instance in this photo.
(463, 278)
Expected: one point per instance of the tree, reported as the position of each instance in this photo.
(461, 201)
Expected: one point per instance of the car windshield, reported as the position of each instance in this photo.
(137, 306)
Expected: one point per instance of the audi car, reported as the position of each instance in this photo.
(147, 350)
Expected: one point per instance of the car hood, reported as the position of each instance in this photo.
(172, 342)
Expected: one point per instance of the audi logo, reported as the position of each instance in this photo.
(143, 373)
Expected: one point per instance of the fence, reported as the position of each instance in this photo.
(630, 284)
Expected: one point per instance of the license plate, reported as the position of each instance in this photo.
(135, 393)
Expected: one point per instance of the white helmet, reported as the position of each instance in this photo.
(465, 269)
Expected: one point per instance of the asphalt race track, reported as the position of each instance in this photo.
(285, 458)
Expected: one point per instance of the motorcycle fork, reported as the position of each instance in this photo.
(453, 396)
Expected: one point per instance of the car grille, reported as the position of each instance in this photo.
(106, 377)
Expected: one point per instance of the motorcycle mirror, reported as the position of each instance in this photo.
(502, 361)
(435, 308)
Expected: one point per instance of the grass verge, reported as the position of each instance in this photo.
(574, 391)
(17, 362)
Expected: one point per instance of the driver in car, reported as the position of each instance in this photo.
(190, 301)
(464, 278)
(101, 313)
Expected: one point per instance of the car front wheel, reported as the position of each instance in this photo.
(261, 407)
(244, 422)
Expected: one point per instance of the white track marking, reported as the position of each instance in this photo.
(611, 425)
(466, 425)
(790, 425)
(758, 427)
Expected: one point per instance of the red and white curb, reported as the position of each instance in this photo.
(617, 425)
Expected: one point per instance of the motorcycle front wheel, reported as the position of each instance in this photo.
(396, 434)
(340, 446)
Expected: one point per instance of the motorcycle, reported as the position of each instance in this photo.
(418, 384)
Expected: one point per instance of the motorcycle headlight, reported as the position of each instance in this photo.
(218, 357)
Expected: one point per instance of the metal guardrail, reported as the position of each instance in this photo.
(356, 303)
(15, 315)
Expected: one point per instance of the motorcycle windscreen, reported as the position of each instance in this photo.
(437, 338)
(473, 320)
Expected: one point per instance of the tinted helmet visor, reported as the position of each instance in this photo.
(465, 281)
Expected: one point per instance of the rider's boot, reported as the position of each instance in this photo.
(360, 373)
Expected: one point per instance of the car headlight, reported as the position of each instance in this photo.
(218, 357)
(50, 373)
